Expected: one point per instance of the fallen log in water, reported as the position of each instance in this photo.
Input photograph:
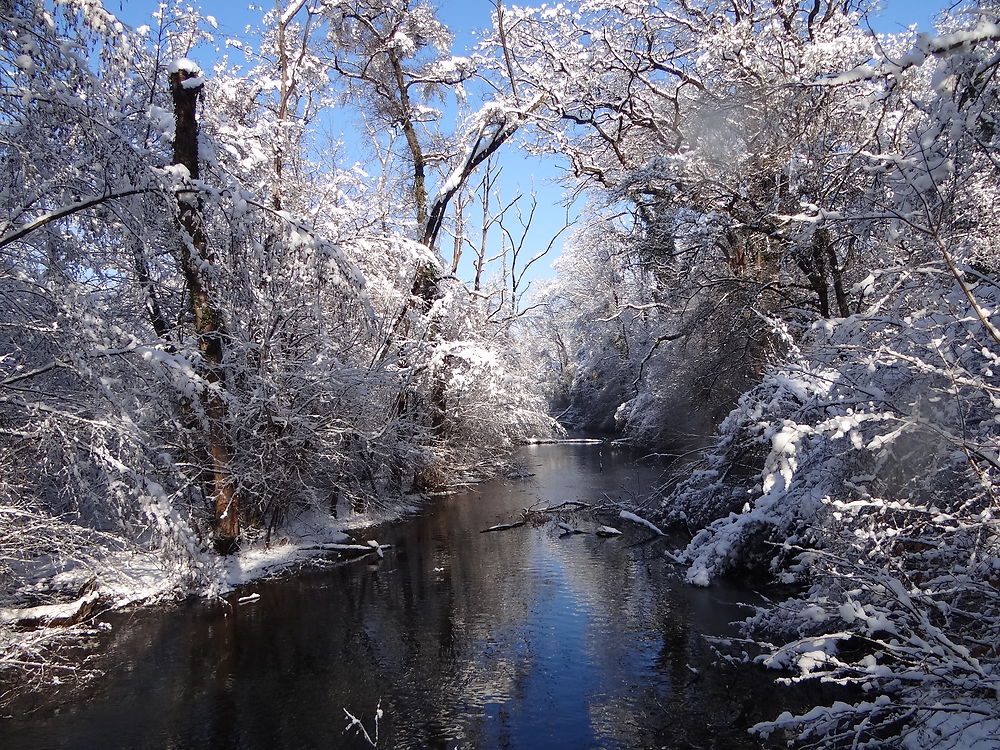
(356, 550)
(51, 615)
(555, 508)
(562, 441)
(503, 526)
(640, 521)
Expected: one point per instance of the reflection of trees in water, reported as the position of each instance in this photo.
(469, 640)
(465, 638)
(490, 634)
(455, 651)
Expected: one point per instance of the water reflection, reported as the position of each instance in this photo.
(517, 639)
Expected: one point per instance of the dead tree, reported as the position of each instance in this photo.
(195, 257)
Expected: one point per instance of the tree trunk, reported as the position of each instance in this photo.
(151, 302)
(419, 162)
(836, 273)
(195, 254)
(812, 262)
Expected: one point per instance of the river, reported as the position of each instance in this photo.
(512, 639)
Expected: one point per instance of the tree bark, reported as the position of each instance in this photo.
(812, 261)
(836, 273)
(151, 302)
(195, 255)
(419, 162)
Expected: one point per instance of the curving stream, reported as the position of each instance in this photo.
(512, 639)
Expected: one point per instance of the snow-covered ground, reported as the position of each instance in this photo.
(74, 594)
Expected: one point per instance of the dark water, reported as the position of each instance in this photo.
(513, 639)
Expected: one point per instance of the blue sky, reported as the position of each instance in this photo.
(521, 174)
(463, 16)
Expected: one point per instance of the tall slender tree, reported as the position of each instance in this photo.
(197, 260)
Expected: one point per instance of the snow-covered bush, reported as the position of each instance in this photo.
(865, 464)
(903, 607)
(857, 411)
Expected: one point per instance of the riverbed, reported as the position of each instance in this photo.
(524, 638)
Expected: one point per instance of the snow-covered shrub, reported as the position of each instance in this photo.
(882, 404)
(866, 467)
(483, 402)
(904, 606)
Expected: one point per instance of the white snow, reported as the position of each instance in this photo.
(47, 612)
(184, 64)
(628, 516)
(25, 63)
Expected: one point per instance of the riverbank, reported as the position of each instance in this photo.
(69, 600)
(523, 638)
(47, 627)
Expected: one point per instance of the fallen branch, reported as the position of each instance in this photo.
(627, 516)
(51, 615)
(359, 550)
(562, 441)
(503, 527)
(554, 508)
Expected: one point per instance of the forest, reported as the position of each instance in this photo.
(215, 321)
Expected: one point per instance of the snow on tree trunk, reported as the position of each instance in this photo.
(196, 259)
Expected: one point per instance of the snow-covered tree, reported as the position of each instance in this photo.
(201, 311)
(865, 461)
(695, 120)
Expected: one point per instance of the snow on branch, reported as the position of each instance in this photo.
(927, 46)
(68, 210)
(638, 520)
(496, 125)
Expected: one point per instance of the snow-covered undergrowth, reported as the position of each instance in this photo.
(865, 467)
(61, 577)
